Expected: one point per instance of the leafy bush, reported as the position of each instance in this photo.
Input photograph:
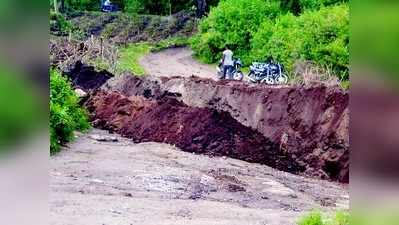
(232, 23)
(319, 36)
(65, 113)
(326, 38)
(316, 218)
(170, 43)
(279, 39)
(59, 25)
(257, 29)
(84, 5)
(19, 108)
(317, 4)
(159, 7)
(297, 7)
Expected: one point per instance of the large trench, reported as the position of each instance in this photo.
(302, 130)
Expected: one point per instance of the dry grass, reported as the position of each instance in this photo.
(307, 73)
(95, 51)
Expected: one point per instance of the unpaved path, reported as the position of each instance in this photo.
(94, 182)
(176, 62)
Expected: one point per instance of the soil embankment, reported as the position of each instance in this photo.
(192, 129)
(311, 124)
(86, 77)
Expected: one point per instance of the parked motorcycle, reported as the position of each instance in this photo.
(269, 73)
(235, 73)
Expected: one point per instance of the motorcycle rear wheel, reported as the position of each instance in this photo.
(268, 80)
(238, 76)
(282, 79)
(251, 77)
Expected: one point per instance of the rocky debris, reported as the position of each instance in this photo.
(80, 93)
(85, 77)
(309, 123)
(131, 85)
(103, 138)
(192, 129)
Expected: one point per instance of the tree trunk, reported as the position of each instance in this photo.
(201, 7)
(62, 8)
(55, 6)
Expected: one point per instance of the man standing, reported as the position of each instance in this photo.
(227, 62)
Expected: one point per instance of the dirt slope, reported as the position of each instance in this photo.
(151, 183)
(310, 123)
(86, 77)
(192, 129)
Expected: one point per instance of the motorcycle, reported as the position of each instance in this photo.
(235, 73)
(269, 73)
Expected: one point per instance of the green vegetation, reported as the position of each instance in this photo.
(60, 26)
(232, 23)
(319, 36)
(19, 108)
(159, 7)
(316, 218)
(257, 29)
(65, 113)
(170, 43)
(59, 23)
(297, 7)
(123, 28)
(130, 56)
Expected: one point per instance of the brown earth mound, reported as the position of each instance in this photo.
(86, 77)
(192, 129)
(309, 123)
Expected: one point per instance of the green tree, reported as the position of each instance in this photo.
(232, 23)
(293, 6)
(320, 36)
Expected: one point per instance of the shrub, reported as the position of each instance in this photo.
(65, 113)
(20, 110)
(170, 43)
(317, 4)
(257, 29)
(278, 39)
(232, 23)
(299, 6)
(326, 38)
(316, 218)
(59, 25)
(320, 36)
(84, 5)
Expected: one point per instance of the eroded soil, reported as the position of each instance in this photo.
(115, 181)
(310, 123)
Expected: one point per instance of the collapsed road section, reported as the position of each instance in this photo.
(192, 129)
(304, 130)
(311, 124)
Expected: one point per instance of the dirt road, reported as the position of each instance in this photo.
(120, 182)
(176, 62)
